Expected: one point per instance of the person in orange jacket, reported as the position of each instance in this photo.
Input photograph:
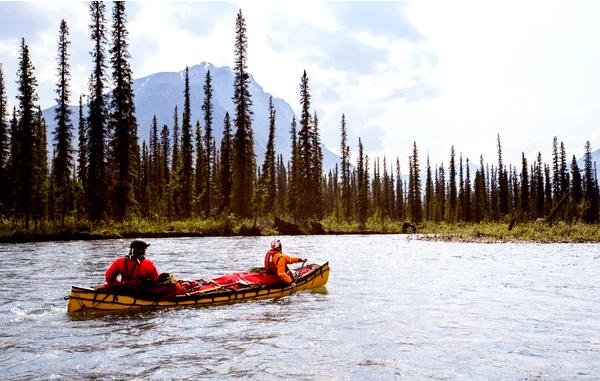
(135, 269)
(276, 262)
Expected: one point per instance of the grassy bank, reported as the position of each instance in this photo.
(229, 226)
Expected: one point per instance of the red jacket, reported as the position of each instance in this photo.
(276, 261)
(133, 273)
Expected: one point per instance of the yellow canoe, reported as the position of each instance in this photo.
(89, 299)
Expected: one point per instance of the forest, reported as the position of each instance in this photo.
(181, 173)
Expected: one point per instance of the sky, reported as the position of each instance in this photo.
(438, 73)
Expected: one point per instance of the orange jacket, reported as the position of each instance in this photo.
(276, 261)
(133, 273)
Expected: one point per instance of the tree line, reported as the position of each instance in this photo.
(182, 172)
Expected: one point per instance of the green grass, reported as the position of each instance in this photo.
(538, 231)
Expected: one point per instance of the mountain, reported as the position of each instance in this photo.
(157, 94)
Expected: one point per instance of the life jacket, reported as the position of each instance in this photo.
(272, 258)
(137, 273)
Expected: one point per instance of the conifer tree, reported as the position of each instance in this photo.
(187, 152)
(564, 171)
(524, 196)
(399, 192)
(225, 165)
(363, 190)
(590, 194)
(293, 173)
(243, 160)
(306, 207)
(502, 183)
(415, 211)
(24, 137)
(63, 160)
(440, 194)
(82, 146)
(467, 208)
(556, 183)
(452, 192)
(429, 193)
(123, 124)
(96, 169)
(154, 168)
(165, 173)
(40, 170)
(175, 182)
(317, 169)
(539, 187)
(345, 169)
(200, 184)
(281, 174)
(207, 107)
(4, 148)
(576, 184)
(547, 190)
(268, 180)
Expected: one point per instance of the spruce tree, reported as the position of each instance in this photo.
(165, 173)
(294, 173)
(452, 192)
(207, 107)
(467, 208)
(24, 179)
(40, 170)
(556, 183)
(305, 151)
(502, 183)
(243, 162)
(590, 194)
(429, 193)
(363, 188)
(200, 184)
(524, 196)
(4, 148)
(268, 180)
(63, 160)
(416, 211)
(539, 187)
(187, 152)
(123, 124)
(225, 165)
(345, 169)
(95, 190)
(82, 146)
(317, 169)
(175, 182)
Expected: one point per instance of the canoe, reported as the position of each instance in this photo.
(211, 292)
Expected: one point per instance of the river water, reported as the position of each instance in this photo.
(394, 308)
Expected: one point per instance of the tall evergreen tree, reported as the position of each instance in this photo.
(225, 165)
(63, 159)
(524, 196)
(502, 183)
(24, 137)
(556, 183)
(200, 184)
(187, 153)
(305, 150)
(82, 154)
(268, 180)
(244, 162)
(576, 184)
(96, 169)
(4, 148)
(590, 193)
(415, 207)
(452, 192)
(40, 170)
(317, 169)
(123, 124)
(345, 169)
(467, 209)
(165, 173)
(429, 193)
(294, 176)
(207, 107)
(363, 188)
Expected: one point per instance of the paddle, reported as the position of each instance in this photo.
(298, 274)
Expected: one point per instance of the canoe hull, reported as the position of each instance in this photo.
(88, 299)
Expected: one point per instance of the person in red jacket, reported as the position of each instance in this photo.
(135, 270)
(276, 262)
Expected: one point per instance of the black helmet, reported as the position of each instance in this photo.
(137, 249)
(138, 244)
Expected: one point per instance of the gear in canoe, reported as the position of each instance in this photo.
(136, 291)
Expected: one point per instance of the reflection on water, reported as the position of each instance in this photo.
(393, 309)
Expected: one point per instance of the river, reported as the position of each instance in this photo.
(394, 308)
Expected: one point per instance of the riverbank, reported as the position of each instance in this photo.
(11, 232)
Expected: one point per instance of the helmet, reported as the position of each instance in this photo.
(276, 244)
(138, 244)
(137, 249)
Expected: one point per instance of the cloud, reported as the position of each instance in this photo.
(200, 18)
(416, 92)
(331, 49)
(387, 18)
(16, 14)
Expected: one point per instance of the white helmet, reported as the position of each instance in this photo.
(276, 244)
